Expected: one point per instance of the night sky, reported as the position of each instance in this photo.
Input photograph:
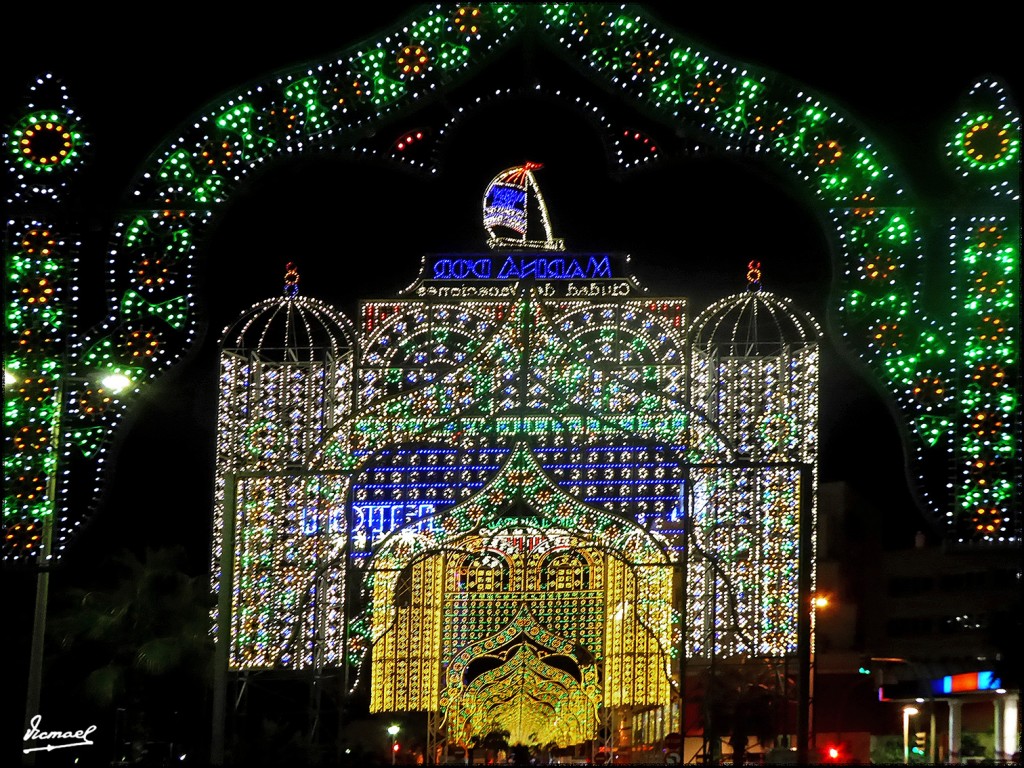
(356, 228)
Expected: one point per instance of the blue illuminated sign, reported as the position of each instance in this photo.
(373, 519)
(519, 266)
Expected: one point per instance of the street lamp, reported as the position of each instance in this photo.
(907, 712)
(393, 732)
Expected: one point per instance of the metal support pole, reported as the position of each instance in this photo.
(33, 697)
(804, 641)
(35, 664)
(221, 654)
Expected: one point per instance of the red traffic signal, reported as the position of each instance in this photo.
(834, 753)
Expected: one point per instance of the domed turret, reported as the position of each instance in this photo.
(289, 328)
(754, 370)
(753, 323)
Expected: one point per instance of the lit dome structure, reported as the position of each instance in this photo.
(755, 322)
(755, 369)
(289, 328)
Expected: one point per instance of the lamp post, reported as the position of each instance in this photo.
(115, 382)
(393, 732)
(907, 712)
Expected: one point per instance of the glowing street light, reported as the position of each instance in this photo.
(393, 731)
(907, 712)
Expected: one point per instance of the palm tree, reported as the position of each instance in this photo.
(143, 644)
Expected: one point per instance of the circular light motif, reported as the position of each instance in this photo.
(468, 20)
(38, 242)
(263, 440)
(30, 438)
(981, 471)
(990, 329)
(929, 391)
(279, 121)
(986, 423)
(140, 343)
(38, 292)
(765, 125)
(879, 268)
(647, 63)
(36, 390)
(218, 153)
(152, 271)
(987, 519)
(886, 335)
(989, 375)
(989, 236)
(45, 141)
(707, 92)
(865, 206)
(828, 152)
(29, 488)
(987, 282)
(987, 143)
(94, 401)
(23, 535)
(412, 61)
(172, 212)
(28, 341)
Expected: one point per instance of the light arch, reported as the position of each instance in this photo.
(948, 357)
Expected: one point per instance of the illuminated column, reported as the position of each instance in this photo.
(954, 731)
(1011, 728)
(755, 372)
(285, 385)
(999, 713)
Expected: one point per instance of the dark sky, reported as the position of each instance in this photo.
(357, 229)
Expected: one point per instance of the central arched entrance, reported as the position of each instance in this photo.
(532, 623)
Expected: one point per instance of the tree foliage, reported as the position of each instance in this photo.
(137, 643)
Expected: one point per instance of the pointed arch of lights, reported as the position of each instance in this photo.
(964, 441)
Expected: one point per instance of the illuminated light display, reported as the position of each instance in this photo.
(285, 379)
(506, 487)
(468, 20)
(45, 141)
(634, 147)
(412, 60)
(946, 331)
(967, 682)
(987, 142)
(511, 200)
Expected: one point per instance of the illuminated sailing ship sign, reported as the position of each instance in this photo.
(508, 488)
(511, 201)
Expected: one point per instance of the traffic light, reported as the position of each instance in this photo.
(920, 742)
(834, 752)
